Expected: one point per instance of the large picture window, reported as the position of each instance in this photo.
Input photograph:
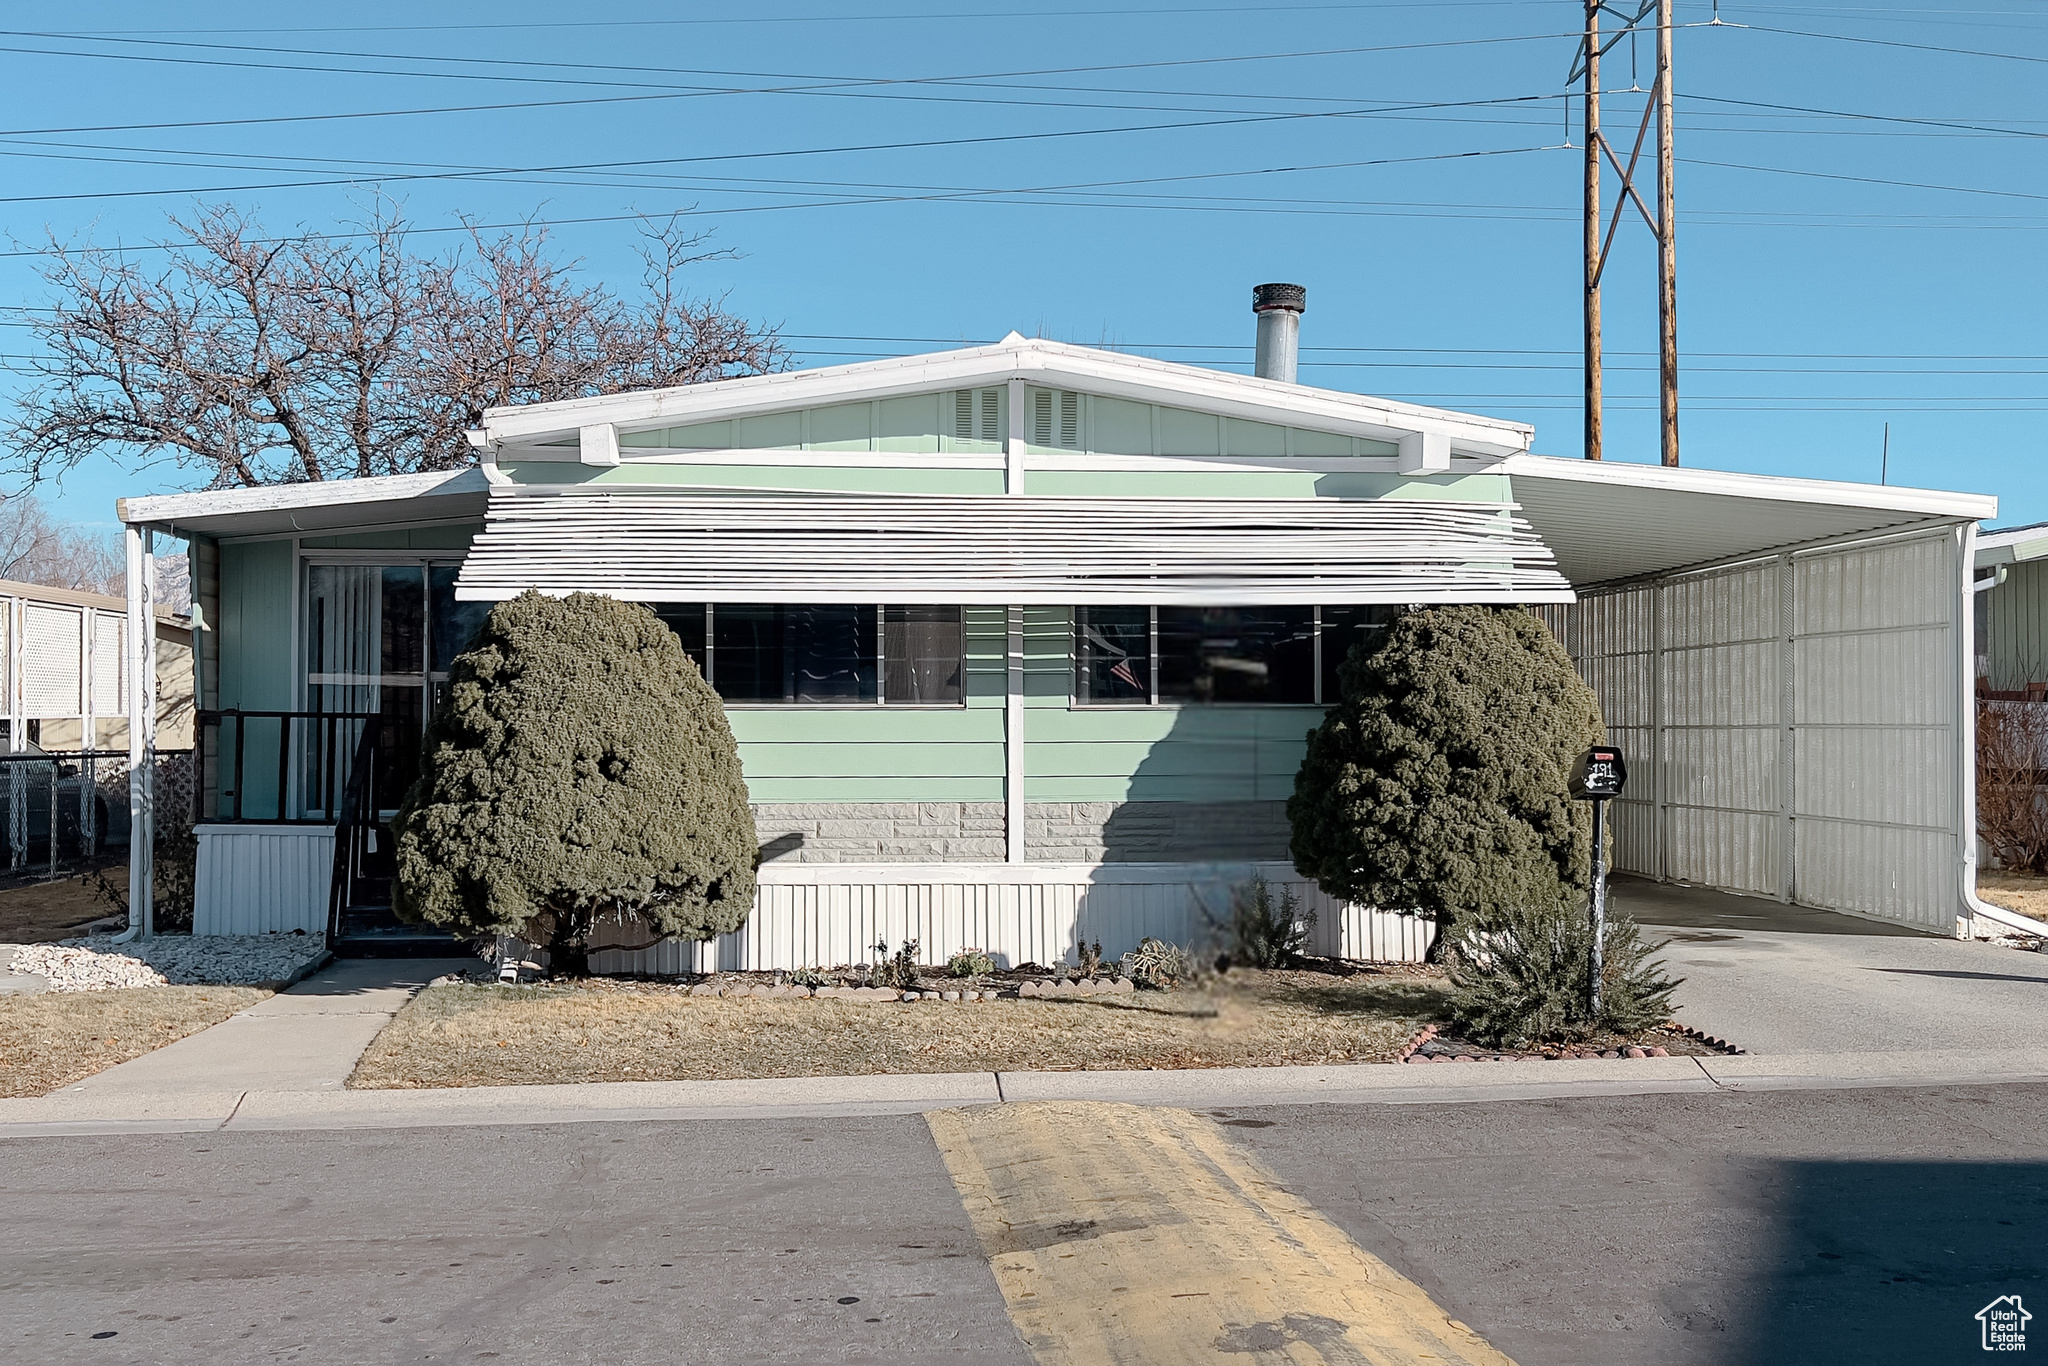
(824, 654)
(1134, 656)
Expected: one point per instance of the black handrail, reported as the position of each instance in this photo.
(327, 738)
(356, 797)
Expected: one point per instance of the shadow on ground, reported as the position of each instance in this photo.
(1879, 1261)
(1668, 904)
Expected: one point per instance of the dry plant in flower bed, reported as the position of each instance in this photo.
(57, 1038)
(464, 1035)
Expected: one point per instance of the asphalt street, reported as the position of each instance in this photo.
(1787, 1226)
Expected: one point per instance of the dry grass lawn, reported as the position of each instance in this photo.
(56, 1038)
(2020, 892)
(37, 912)
(463, 1035)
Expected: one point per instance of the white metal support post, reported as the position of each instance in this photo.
(1013, 651)
(1788, 733)
(17, 729)
(141, 729)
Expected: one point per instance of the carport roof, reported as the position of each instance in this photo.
(1608, 521)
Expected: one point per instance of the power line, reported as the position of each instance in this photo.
(853, 18)
(1890, 42)
(698, 93)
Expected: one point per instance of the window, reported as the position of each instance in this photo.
(1344, 627)
(1277, 655)
(1237, 654)
(827, 654)
(1112, 654)
(922, 658)
(455, 623)
(691, 621)
(770, 653)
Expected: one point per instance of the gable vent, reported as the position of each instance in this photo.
(1056, 418)
(977, 414)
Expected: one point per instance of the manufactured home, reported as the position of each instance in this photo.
(1021, 642)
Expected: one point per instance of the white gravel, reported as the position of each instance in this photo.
(99, 964)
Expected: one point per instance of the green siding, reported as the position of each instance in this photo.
(256, 652)
(2016, 626)
(925, 424)
(857, 754)
(1161, 754)
(909, 425)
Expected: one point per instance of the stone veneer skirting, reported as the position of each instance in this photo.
(1054, 832)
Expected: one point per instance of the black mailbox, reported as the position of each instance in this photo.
(1599, 774)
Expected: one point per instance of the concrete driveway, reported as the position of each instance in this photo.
(1773, 978)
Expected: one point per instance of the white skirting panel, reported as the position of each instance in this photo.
(828, 915)
(259, 879)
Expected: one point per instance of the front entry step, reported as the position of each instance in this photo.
(374, 931)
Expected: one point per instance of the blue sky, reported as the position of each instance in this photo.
(1861, 215)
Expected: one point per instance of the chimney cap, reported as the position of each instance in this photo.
(1293, 298)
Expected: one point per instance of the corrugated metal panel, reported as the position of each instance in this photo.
(53, 657)
(654, 545)
(1875, 730)
(108, 697)
(1868, 744)
(825, 915)
(255, 879)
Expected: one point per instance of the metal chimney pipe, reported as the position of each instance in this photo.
(1279, 309)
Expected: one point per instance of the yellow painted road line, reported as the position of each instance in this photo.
(1121, 1234)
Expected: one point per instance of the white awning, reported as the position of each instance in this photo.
(689, 546)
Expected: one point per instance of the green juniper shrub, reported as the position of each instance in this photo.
(580, 770)
(1436, 786)
(1521, 977)
(1264, 931)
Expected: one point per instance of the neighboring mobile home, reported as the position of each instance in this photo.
(1020, 642)
(2012, 611)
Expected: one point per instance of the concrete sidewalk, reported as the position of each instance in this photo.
(1776, 979)
(307, 1038)
(79, 1110)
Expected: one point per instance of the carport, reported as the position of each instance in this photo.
(1787, 663)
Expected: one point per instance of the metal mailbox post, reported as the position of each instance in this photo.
(1598, 778)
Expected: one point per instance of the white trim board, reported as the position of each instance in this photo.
(1052, 364)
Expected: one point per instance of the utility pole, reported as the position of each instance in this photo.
(1595, 257)
(1667, 249)
(1600, 228)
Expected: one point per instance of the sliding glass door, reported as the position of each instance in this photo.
(378, 638)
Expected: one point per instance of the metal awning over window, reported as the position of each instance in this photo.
(656, 546)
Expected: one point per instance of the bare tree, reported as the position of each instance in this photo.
(2012, 781)
(36, 548)
(255, 360)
